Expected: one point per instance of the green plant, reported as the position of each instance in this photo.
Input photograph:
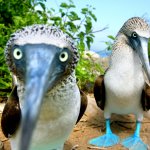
(14, 14)
(87, 71)
(110, 42)
(80, 28)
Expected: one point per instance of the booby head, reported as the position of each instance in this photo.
(40, 56)
(137, 32)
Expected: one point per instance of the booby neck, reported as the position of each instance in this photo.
(69, 79)
(121, 43)
(123, 53)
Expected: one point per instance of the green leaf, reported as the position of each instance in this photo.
(111, 37)
(81, 36)
(89, 41)
(63, 14)
(72, 27)
(88, 25)
(42, 5)
(55, 18)
(64, 5)
(73, 16)
(84, 10)
(92, 15)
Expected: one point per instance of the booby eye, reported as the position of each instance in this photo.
(63, 56)
(17, 53)
(134, 35)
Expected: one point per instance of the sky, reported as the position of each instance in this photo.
(111, 13)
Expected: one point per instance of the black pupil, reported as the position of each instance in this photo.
(134, 35)
(63, 55)
(18, 53)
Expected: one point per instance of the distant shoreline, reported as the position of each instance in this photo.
(104, 53)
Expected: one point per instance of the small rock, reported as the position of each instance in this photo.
(75, 147)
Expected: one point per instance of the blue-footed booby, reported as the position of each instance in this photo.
(44, 104)
(124, 88)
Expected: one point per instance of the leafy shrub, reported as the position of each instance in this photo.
(14, 14)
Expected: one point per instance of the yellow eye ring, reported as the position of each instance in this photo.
(17, 53)
(63, 56)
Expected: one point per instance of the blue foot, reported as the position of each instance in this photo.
(134, 143)
(105, 140)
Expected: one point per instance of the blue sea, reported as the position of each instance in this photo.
(104, 53)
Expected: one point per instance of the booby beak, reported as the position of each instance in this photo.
(42, 72)
(143, 54)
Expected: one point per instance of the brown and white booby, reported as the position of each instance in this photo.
(45, 102)
(123, 89)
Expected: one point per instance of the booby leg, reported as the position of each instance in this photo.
(109, 139)
(134, 142)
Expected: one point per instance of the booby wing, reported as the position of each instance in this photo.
(99, 92)
(145, 98)
(84, 102)
(11, 115)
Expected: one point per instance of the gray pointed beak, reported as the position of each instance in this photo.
(42, 72)
(143, 54)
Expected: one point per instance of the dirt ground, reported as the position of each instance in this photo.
(92, 125)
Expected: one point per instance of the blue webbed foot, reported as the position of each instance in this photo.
(105, 140)
(134, 143)
(109, 139)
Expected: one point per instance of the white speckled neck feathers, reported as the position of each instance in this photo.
(70, 79)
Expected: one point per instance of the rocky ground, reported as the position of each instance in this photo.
(92, 125)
